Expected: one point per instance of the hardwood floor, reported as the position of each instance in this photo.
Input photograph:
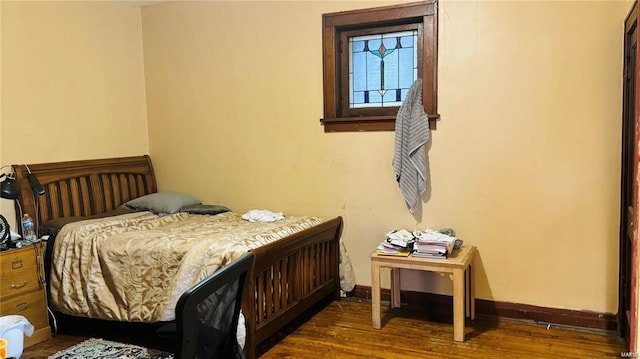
(343, 330)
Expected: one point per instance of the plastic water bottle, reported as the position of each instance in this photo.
(28, 232)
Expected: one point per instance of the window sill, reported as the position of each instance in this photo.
(369, 123)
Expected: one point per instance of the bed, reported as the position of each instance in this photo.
(288, 276)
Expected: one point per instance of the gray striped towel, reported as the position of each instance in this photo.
(409, 157)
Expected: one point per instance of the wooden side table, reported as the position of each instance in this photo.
(458, 266)
(22, 289)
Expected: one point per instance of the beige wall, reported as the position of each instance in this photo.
(524, 164)
(72, 82)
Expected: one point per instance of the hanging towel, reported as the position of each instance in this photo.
(409, 157)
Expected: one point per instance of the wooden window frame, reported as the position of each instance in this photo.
(337, 116)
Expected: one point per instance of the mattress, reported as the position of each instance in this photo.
(135, 266)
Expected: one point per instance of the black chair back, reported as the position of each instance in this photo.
(207, 314)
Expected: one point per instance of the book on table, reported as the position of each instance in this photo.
(428, 255)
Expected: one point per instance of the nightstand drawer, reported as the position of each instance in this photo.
(18, 282)
(17, 260)
(31, 305)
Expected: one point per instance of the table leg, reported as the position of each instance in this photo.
(458, 305)
(395, 287)
(472, 286)
(375, 295)
(467, 292)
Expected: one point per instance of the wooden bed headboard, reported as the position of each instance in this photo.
(83, 188)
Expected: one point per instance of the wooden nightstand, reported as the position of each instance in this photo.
(22, 290)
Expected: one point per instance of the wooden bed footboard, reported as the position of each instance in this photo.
(288, 276)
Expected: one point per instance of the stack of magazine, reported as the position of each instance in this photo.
(423, 244)
(432, 244)
(397, 243)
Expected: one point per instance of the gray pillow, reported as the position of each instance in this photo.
(162, 202)
(204, 209)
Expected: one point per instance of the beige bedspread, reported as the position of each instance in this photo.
(134, 267)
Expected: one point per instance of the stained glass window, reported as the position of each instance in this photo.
(371, 58)
(382, 68)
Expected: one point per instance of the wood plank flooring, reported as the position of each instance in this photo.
(343, 330)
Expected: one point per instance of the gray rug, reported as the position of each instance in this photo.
(105, 349)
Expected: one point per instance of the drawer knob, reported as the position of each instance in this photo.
(18, 286)
(22, 306)
(16, 264)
